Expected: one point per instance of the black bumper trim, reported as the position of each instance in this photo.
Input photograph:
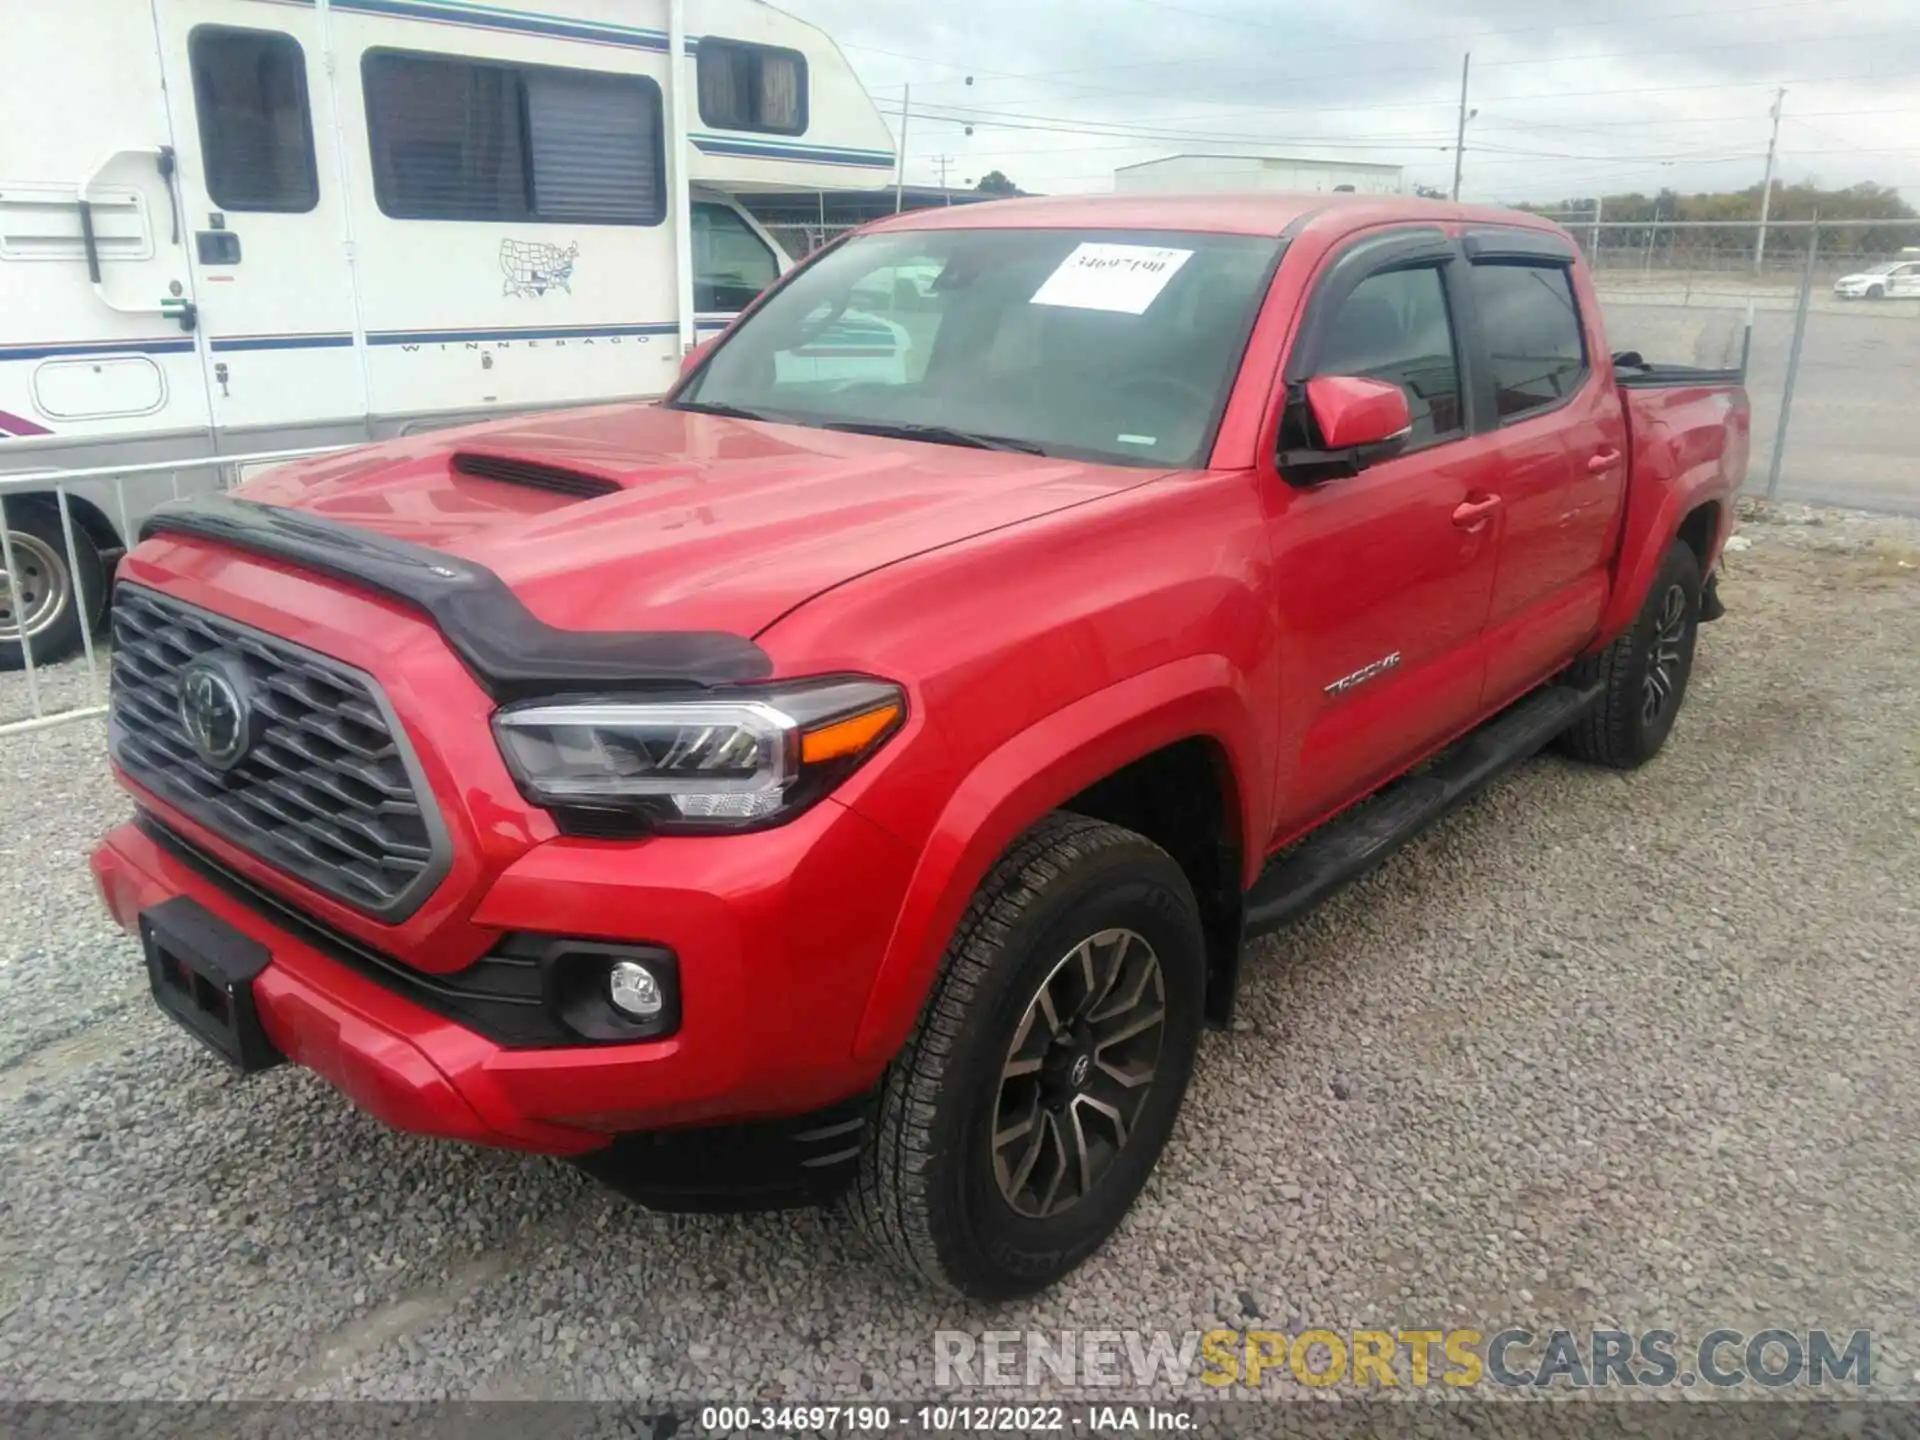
(502, 996)
(759, 1165)
(511, 651)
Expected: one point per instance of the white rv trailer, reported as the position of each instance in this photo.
(239, 226)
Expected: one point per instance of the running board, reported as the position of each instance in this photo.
(1348, 846)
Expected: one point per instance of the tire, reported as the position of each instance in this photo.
(52, 602)
(932, 1193)
(1878, 292)
(1644, 672)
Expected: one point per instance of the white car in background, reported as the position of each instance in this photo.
(1894, 280)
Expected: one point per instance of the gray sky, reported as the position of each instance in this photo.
(1573, 98)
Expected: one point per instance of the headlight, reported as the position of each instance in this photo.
(735, 760)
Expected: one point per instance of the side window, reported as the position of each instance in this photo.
(1535, 346)
(459, 139)
(256, 132)
(751, 87)
(1395, 326)
(731, 264)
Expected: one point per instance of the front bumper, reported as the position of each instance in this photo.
(776, 956)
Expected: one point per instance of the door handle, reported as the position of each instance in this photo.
(1472, 514)
(1603, 462)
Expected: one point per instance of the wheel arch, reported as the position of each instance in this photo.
(1116, 752)
(88, 518)
(1698, 514)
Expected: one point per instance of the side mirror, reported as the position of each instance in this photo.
(691, 360)
(1352, 413)
(1338, 425)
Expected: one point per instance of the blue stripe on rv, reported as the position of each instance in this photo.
(564, 332)
(764, 150)
(485, 17)
(223, 343)
(60, 349)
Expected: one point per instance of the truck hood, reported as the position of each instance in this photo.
(709, 523)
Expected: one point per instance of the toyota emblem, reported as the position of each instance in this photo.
(214, 712)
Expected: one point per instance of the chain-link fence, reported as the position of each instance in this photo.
(1834, 370)
(800, 241)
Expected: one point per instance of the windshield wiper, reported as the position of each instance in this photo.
(935, 435)
(715, 407)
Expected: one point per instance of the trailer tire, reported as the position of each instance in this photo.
(50, 596)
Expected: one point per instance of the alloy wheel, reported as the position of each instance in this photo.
(1080, 1067)
(1663, 675)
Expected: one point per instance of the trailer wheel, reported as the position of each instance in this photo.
(47, 597)
(1029, 1106)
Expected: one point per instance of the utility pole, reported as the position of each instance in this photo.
(1766, 188)
(900, 163)
(941, 162)
(1460, 136)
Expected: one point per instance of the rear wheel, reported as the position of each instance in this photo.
(47, 596)
(1644, 672)
(1026, 1111)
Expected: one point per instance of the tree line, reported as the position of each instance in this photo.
(1739, 209)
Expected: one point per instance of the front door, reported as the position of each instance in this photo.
(1383, 579)
(264, 218)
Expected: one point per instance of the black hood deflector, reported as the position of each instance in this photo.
(512, 652)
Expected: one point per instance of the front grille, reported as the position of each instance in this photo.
(327, 788)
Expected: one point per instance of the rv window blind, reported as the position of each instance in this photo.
(596, 148)
(446, 138)
(256, 132)
(458, 139)
(751, 87)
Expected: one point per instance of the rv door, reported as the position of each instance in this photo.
(266, 225)
(96, 345)
(733, 261)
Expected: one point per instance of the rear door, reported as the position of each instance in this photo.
(1382, 579)
(1558, 439)
(265, 219)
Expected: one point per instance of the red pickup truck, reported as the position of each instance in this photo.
(858, 774)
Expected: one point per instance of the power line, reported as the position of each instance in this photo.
(1369, 42)
(1375, 72)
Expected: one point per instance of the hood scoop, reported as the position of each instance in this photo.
(532, 475)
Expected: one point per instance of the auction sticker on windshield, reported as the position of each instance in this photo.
(1126, 278)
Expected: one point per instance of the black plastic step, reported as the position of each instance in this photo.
(1348, 846)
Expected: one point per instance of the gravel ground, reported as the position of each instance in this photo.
(1601, 1049)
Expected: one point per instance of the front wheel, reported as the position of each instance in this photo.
(1025, 1113)
(1644, 673)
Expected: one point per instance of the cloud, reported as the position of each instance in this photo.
(1571, 101)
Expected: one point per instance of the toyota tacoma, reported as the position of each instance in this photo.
(858, 775)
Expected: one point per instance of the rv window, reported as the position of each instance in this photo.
(470, 140)
(256, 136)
(752, 87)
(731, 264)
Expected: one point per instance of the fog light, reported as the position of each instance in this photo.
(633, 990)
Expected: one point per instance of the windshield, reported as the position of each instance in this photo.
(1886, 269)
(1102, 345)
